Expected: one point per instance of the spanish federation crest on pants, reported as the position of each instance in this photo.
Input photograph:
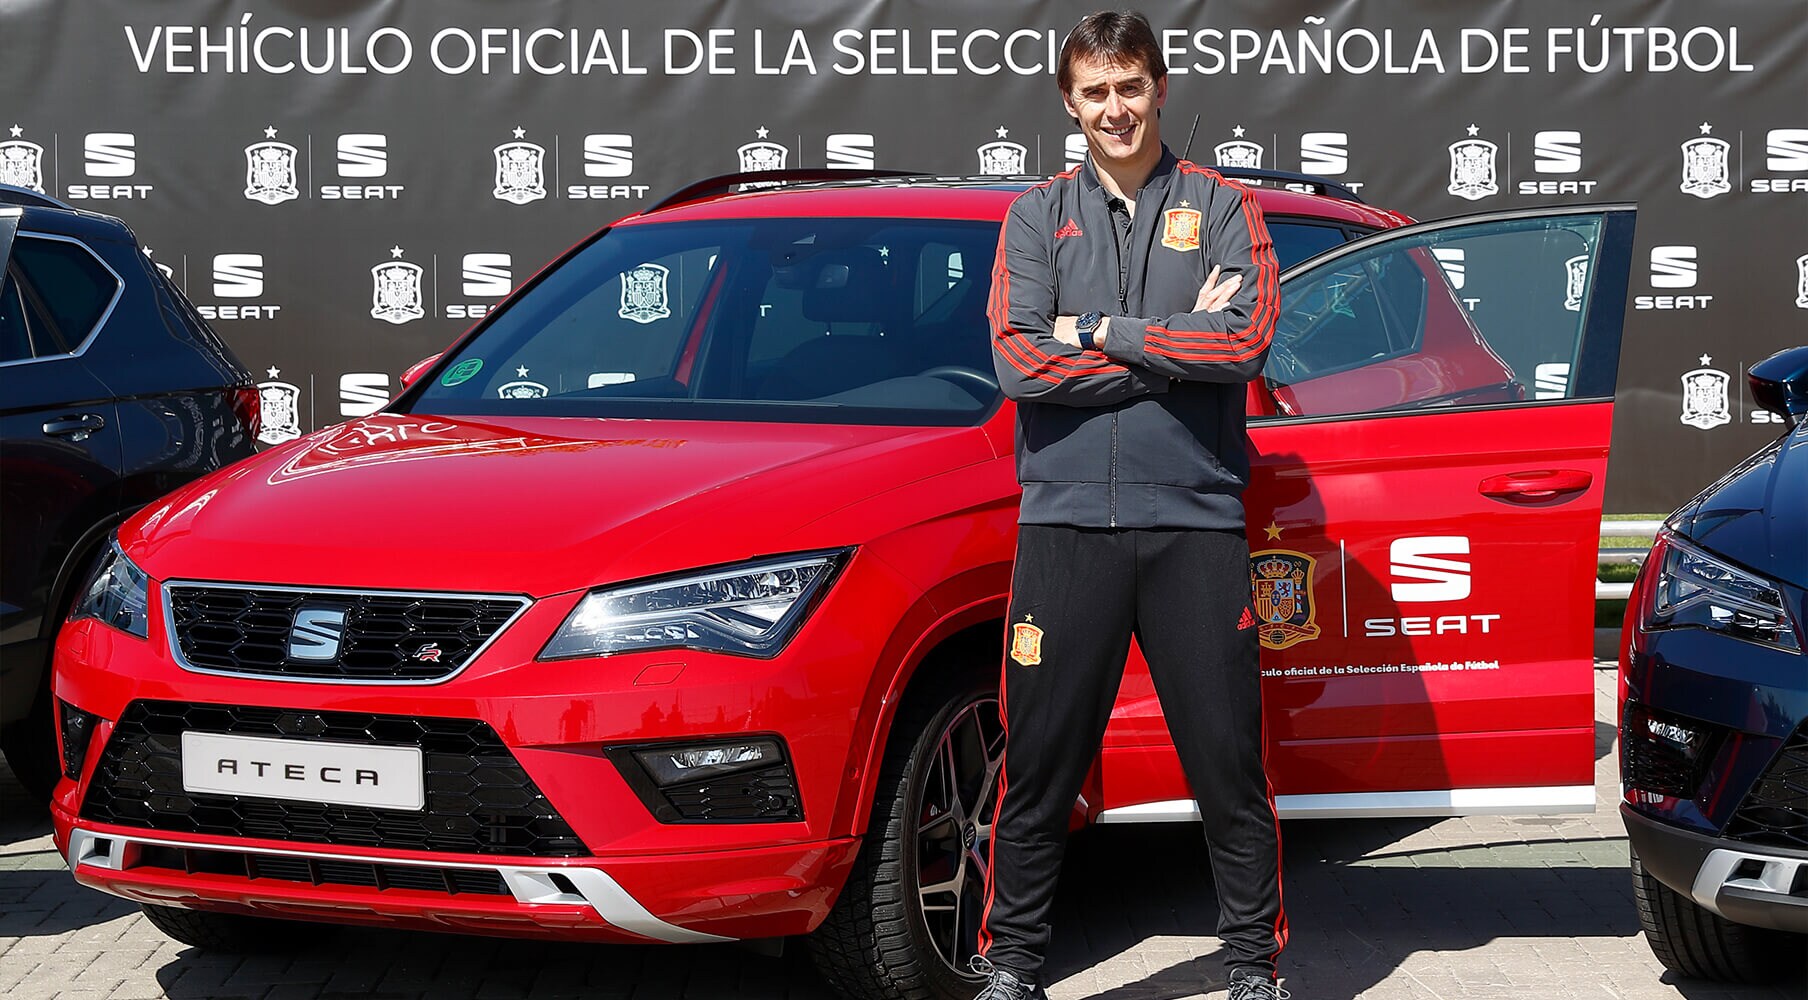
(520, 172)
(1704, 398)
(1575, 280)
(270, 172)
(1704, 167)
(22, 164)
(395, 295)
(643, 297)
(1472, 173)
(1239, 153)
(1280, 584)
(278, 411)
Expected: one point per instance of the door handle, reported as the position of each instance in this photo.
(75, 428)
(1536, 485)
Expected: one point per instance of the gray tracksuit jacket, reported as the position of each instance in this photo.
(1149, 433)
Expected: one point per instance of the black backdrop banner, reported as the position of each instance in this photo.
(343, 186)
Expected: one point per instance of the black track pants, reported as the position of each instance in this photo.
(1077, 596)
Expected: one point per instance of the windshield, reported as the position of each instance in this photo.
(871, 321)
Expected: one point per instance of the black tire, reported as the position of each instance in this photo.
(30, 745)
(1693, 941)
(877, 943)
(232, 932)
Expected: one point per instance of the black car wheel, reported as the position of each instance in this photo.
(907, 921)
(1693, 941)
(232, 932)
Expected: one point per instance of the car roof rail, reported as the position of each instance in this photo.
(1289, 179)
(12, 194)
(711, 187)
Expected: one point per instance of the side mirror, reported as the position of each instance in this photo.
(419, 368)
(1779, 384)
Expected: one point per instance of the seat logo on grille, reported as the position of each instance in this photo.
(316, 633)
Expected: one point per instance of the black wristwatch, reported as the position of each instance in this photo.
(1088, 328)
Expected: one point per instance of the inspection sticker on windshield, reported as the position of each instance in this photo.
(462, 372)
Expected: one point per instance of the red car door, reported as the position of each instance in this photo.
(1430, 446)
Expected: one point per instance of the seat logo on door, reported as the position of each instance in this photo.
(1423, 571)
(316, 633)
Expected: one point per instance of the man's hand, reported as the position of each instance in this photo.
(1214, 296)
(1067, 330)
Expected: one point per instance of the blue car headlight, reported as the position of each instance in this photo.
(751, 609)
(1697, 589)
(117, 594)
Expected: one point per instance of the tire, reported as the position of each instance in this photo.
(883, 940)
(1694, 941)
(30, 745)
(232, 932)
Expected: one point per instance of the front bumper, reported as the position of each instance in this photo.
(1755, 885)
(716, 896)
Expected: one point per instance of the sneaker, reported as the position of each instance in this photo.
(1003, 984)
(1254, 986)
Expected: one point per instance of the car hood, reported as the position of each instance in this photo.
(1757, 514)
(532, 505)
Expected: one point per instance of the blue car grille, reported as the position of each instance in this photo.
(1775, 811)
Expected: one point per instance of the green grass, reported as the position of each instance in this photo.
(1611, 614)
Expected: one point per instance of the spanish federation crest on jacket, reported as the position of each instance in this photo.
(1704, 165)
(1704, 396)
(1473, 175)
(1001, 157)
(278, 409)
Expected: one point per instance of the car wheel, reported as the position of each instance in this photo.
(907, 921)
(234, 932)
(30, 745)
(1694, 941)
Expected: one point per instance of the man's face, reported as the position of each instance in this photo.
(1115, 103)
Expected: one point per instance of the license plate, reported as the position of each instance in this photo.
(338, 773)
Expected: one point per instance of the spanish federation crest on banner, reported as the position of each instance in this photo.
(1704, 165)
(643, 296)
(1472, 171)
(1575, 281)
(1003, 158)
(395, 295)
(1239, 152)
(761, 155)
(1704, 396)
(270, 170)
(22, 162)
(1280, 583)
(278, 410)
(1801, 282)
(520, 170)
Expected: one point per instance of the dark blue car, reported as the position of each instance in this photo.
(1714, 711)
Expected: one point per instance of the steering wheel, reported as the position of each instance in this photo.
(982, 384)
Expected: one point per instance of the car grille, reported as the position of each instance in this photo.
(767, 795)
(387, 637)
(323, 871)
(1775, 811)
(479, 800)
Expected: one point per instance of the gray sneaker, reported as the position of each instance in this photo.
(1255, 987)
(1003, 984)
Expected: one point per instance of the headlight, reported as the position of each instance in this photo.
(751, 609)
(116, 595)
(1697, 589)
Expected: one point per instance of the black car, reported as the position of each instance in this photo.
(1714, 711)
(113, 391)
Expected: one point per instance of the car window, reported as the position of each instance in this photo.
(815, 320)
(1296, 241)
(15, 331)
(1483, 314)
(67, 284)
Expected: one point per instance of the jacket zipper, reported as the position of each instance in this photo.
(1123, 304)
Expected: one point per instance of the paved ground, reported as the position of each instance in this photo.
(1470, 908)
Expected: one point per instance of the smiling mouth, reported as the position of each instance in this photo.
(1120, 131)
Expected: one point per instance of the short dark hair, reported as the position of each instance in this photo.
(1115, 35)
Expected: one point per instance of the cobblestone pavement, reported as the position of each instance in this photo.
(1400, 910)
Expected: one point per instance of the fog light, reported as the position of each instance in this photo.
(78, 729)
(1664, 755)
(742, 780)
